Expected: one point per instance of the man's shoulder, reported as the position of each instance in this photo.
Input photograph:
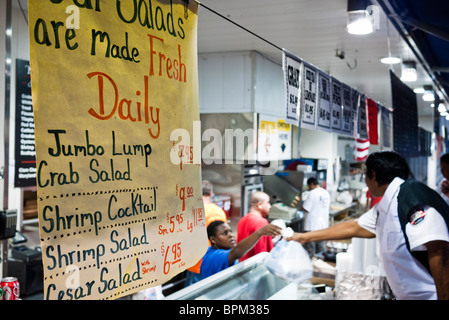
(253, 218)
(321, 190)
(211, 252)
(212, 206)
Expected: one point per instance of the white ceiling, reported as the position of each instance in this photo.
(313, 30)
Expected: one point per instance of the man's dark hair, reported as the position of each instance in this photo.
(212, 228)
(387, 165)
(312, 181)
(445, 158)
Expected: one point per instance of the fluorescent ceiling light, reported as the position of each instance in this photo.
(390, 60)
(418, 90)
(409, 71)
(429, 95)
(409, 75)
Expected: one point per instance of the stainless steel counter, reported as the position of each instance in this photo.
(339, 208)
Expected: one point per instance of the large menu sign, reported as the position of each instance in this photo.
(115, 96)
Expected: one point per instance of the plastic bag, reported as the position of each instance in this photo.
(345, 197)
(286, 232)
(288, 260)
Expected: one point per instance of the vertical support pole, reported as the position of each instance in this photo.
(4, 243)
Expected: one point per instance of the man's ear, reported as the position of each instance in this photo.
(373, 176)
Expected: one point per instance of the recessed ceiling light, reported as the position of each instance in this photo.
(418, 90)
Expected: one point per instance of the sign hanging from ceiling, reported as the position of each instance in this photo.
(324, 102)
(336, 105)
(291, 66)
(362, 118)
(355, 100)
(347, 125)
(387, 127)
(309, 97)
(115, 95)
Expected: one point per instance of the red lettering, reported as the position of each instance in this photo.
(101, 96)
(153, 52)
(174, 68)
(134, 111)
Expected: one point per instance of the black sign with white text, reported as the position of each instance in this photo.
(25, 152)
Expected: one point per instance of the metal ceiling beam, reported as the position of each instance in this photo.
(440, 69)
(425, 27)
(399, 25)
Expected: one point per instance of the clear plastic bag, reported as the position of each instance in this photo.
(288, 260)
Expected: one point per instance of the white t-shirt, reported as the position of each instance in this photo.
(317, 205)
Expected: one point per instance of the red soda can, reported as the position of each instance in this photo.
(10, 288)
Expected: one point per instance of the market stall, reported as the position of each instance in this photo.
(104, 152)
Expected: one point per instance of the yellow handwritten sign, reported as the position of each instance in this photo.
(111, 80)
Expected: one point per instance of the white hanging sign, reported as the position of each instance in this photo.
(324, 102)
(292, 79)
(309, 97)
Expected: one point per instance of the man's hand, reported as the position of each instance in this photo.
(445, 187)
(300, 237)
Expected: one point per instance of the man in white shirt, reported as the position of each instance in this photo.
(316, 206)
(426, 231)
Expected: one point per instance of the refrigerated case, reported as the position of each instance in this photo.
(247, 280)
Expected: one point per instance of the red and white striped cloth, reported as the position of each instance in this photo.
(361, 149)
